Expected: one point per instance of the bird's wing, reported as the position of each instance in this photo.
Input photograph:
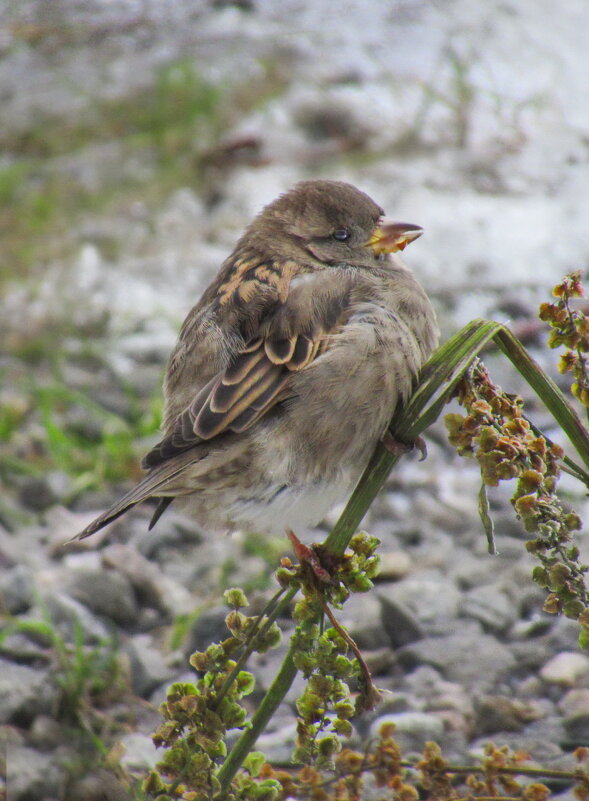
(293, 332)
(257, 377)
(236, 398)
(231, 402)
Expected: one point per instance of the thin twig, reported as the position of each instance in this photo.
(372, 694)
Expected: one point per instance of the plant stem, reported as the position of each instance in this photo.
(373, 478)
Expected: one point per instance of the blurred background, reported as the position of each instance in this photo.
(137, 139)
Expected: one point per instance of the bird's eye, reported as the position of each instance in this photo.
(341, 234)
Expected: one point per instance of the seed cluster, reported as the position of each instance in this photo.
(497, 434)
(198, 715)
(570, 329)
(323, 656)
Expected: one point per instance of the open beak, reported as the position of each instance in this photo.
(389, 237)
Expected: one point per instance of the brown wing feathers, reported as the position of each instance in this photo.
(239, 396)
(291, 337)
(259, 382)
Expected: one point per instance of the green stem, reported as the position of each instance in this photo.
(366, 490)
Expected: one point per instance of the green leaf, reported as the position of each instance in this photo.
(486, 520)
(253, 762)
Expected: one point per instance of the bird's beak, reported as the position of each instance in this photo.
(389, 237)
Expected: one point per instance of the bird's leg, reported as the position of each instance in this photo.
(398, 448)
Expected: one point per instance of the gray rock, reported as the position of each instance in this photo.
(172, 531)
(140, 753)
(498, 713)
(575, 702)
(100, 785)
(33, 775)
(428, 546)
(106, 593)
(37, 494)
(207, 628)
(577, 727)
(16, 589)
(23, 648)
(278, 744)
(393, 565)
(456, 517)
(466, 656)
(563, 635)
(264, 669)
(412, 729)
(379, 662)
(530, 687)
(534, 626)
(567, 669)
(394, 701)
(429, 596)
(46, 732)
(143, 574)
(541, 743)
(398, 621)
(16, 550)
(148, 619)
(530, 654)
(361, 616)
(24, 693)
(438, 694)
(148, 667)
(63, 524)
(67, 614)
(490, 606)
(468, 570)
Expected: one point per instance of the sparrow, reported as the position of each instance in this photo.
(288, 370)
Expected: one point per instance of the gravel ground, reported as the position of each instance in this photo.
(471, 120)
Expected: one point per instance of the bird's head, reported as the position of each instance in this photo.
(332, 222)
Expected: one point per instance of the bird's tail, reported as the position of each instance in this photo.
(119, 508)
(156, 482)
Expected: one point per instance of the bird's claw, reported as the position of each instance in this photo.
(399, 448)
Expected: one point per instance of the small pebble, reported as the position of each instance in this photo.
(575, 702)
(393, 565)
(567, 668)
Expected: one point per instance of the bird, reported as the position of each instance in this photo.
(289, 368)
